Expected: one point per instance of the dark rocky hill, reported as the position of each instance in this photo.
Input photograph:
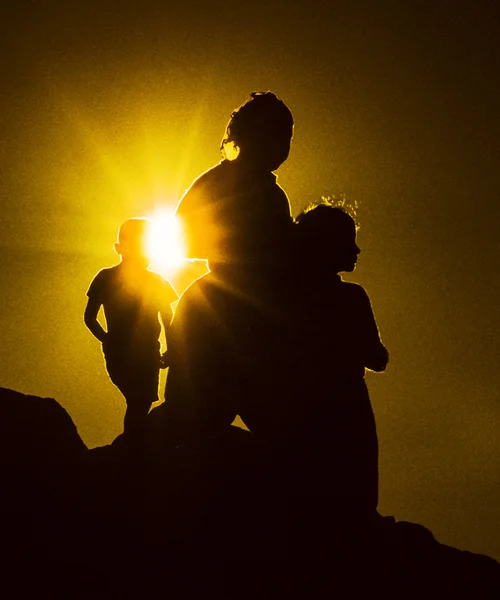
(139, 519)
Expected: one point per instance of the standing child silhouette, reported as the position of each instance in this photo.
(133, 298)
(341, 341)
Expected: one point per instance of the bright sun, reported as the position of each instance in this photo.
(164, 243)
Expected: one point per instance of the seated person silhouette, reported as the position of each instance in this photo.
(237, 218)
(340, 339)
(132, 297)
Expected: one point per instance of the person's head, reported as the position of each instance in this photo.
(132, 242)
(327, 234)
(259, 132)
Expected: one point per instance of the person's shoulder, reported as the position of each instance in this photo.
(155, 277)
(199, 187)
(216, 171)
(355, 290)
(352, 286)
(202, 284)
(106, 274)
(195, 300)
(102, 279)
(201, 290)
(211, 175)
(109, 271)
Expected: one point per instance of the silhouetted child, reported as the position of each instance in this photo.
(132, 297)
(341, 340)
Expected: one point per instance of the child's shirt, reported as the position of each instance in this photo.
(357, 323)
(131, 301)
(343, 327)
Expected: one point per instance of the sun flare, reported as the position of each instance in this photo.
(164, 244)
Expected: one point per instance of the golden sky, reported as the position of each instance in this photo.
(109, 110)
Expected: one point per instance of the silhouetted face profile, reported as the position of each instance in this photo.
(132, 243)
(345, 250)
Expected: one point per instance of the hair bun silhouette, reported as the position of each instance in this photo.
(262, 116)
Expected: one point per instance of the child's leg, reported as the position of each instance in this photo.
(136, 414)
(137, 377)
(141, 392)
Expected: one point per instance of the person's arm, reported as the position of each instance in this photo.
(169, 296)
(375, 354)
(377, 358)
(90, 318)
(166, 318)
(166, 315)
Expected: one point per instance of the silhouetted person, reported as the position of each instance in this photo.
(238, 218)
(235, 212)
(340, 340)
(132, 298)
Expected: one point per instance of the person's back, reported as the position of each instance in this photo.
(236, 212)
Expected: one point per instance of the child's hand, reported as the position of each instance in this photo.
(164, 361)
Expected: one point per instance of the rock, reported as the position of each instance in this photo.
(134, 516)
(34, 429)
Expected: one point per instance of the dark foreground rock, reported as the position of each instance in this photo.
(148, 520)
(40, 450)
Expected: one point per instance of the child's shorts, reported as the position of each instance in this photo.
(137, 376)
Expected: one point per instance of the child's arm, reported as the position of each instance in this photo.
(166, 319)
(377, 358)
(166, 316)
(375, 354)
(90, 318)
